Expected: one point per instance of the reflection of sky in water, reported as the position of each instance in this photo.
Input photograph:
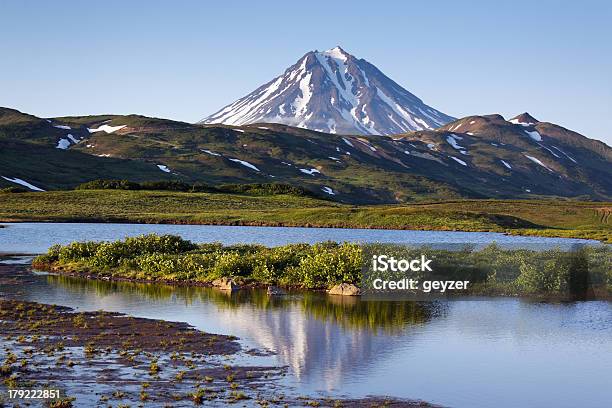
(38, 237)
(501, 352)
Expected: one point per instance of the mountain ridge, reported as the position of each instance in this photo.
(480, 156)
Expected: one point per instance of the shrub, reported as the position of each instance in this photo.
(175, 267)
(113, 254)
(547, 273)
(102, 184)
(175, 185)
(328, 264)
(169, 244)
(15, 189)
(210, 247)
(171, 185)
(232, 263)
(77, 251)
(50, 257)
(265, 189)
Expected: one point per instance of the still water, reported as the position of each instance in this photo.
(496, 352)
(33, 238)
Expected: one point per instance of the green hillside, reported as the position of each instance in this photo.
(474, 157)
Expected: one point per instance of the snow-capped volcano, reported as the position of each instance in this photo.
(334, 92)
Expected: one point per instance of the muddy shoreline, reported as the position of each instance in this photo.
(134, 361)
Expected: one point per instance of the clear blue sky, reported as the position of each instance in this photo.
(186, 59)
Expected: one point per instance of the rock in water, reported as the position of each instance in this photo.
(225, 284)
(275, 291)
(345, 289)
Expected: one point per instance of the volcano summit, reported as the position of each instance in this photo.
(333, 91)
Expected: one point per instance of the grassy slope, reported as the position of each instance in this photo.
(545, 218)
(47, 167)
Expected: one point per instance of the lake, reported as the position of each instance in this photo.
(33, 238)
(502, 352)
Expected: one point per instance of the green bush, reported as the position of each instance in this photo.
(556, 271)
(77, 251)
(327, 264)
(108, 185)
(265, 189)
(113, 254)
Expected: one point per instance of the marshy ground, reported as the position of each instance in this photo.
(546, 218)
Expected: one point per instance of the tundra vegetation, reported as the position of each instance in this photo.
(171, 259)
(282, 205)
